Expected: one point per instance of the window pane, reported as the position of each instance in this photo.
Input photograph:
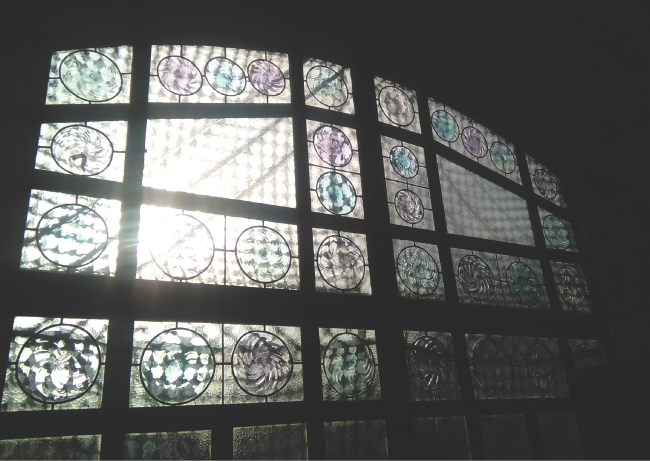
(560, 436)
(356, 440)
(587, 352)
(545, 183)
(76, 447)
(328, 85)
(558, 232)
(168, 445)
(441, 438)
(396, 105)
(341, 262)
(282, 441)
(431, 363)
(572, 287)
(417, 266)
(505, 437)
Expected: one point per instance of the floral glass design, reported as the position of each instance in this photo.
(91, 76)
(523, 283)
(445, 125)
(336, 193)
(418, 270)
(492, 366)
(474, 142)
(341, 262)
(266, 77)
(556, 232)
(333, 146)
(168, 445)
(82, 150)
(327, 86)
(74, 447)
(263, 254)
(396, 105)
(225, 76)
(503, 158)
(542, 368)
(476, 277)
(404, 162)
(409, 206)
(570, 287)
(429, 362)
(545, 183)
(349, 365)
(179, 75)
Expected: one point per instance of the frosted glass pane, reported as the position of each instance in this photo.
(505, 437)
(571, 287)
(545, 183)
(328, 86)
(560, 436)
(587, 352)
(76, 447)
(558, 232)
(168, 445)
(356, 440)
(282, 441)
(240, 158)
(397, 105)
(476, 207)
(441, 438)
(418, 270)
(341, 262)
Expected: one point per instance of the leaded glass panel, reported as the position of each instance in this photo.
(282, 441)
(545, 183)
(558, 232)
(418, 270)
(328, 85)
(560, 436)
(571, 287)
(431, 364)
(505, 437)
(55, 364)
(71, 233)
(396, 105)
(168, 445)
(441, 438)
(587, 352)
(356, 440)
(73, 447)
(247, 159)
(214, 74)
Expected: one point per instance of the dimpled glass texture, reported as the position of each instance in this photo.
(327, 86)
(281, 441)
(355, 440)
(168, 445)
(91, 76)
(75, 447)
(336, 193)
(349, 365)
(418, 270)
(263, 254)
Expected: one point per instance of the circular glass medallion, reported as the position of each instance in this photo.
(182, 247)
(179, 75)
(225, 76)
(266, 77)
(585, 355)
(71, 235)
(430, 363)
(396, 105)
(541, 367)
(332, 146)
(261, 363)
(404, 162)
(58, 364)
(476, 277)
(327, 86)
(82, 150)
(474, 142)
(418, 270)
(503, 158)
(523, 283)
(341, 263)
(336, 193)
(90, 76)
(557, 232)
(349, 365)
(546, 185)
(263, 254)
(409, 206)
(492, 366)
(177, 366)
(445, 126)
(571, 288)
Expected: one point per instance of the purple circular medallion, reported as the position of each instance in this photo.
(266, 77)
(545, 183)
(476, 277)
(179, 75)
(474, 142)
(332, 146)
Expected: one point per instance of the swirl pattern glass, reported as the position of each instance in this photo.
(336, 193)
(503, 158)
(341, 263)
(430, 363)
(445, 125)
(332, 146)
(263, 254)
(225, 76)
(179, 75)
(476, 277)
(418, 270)
(349, 365)
(396, 105)
(523, 283)
(404, 162)
(327, 86)
(82, 150)
(492, 366)
(266, 77)
(557, 232)
(541, 366)
(409, 206)
(570, 287)
(91, 76)
(474, 142)
(545, 183)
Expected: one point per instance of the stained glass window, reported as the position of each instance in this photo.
(334, 174)
(177, 363)
(247, 159)
(545, 183)
(214, 74)
(396, 105)
(571, 287)
(558, 232)
(168, 445)
(75, 447)
(328, 85)
(341, 262)
(55, 363)
(560, 436)
(441, 438)
(473, 140)
(418, 270)
(587, 352)
(476, 207)
(407, 186)
(282, 441)
(505, 437)
(431, 363)
(356, 440)
(71, 233)
(90, 76)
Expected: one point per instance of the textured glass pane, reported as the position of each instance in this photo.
(214, 74)
(93, 149)
(473, 140)
(76, 447)
(341, 262)
(418, 270)
(441, 438)
(168, 445)
(282, 441)
(500, 280)
(345, 350)
(71, 233)
(558, 232)
(587, 352)
(506, 367)
(195, 247)
(545, 183)
(356, 440)
(241, 158)
(431, 364)
(407, 186)
(396, 105)
(90, 76)
(476, 207)
(571, 287)
(560, 436)
(328, 85)
(505, 437)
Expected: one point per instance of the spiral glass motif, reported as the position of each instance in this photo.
(82, 150)
(541, 366)
(177, 366)
(445, 126)
(523, 283)
(396, 105)
(58, 364)
(404, 162)
(474, 142)
(557, 232)
(570, 287)
(266, 77)
(332, 146)
(71, 235)
(179, 75)
(91, 76)
(492, 366)
(349, 365)
(341, 263)
(225, 76)
(327, 86)
(261, 363)
(545, 183)
(503, 158)
(263, 254)
(409, 206)
(430, 363)
(418, 270)
(336, 193)
(476, 277)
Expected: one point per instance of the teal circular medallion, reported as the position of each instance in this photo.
(404, 162)
(503, 158)
(445, 125)
(336, 193)
(263, 254)
(225, 76)
(523, 284)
